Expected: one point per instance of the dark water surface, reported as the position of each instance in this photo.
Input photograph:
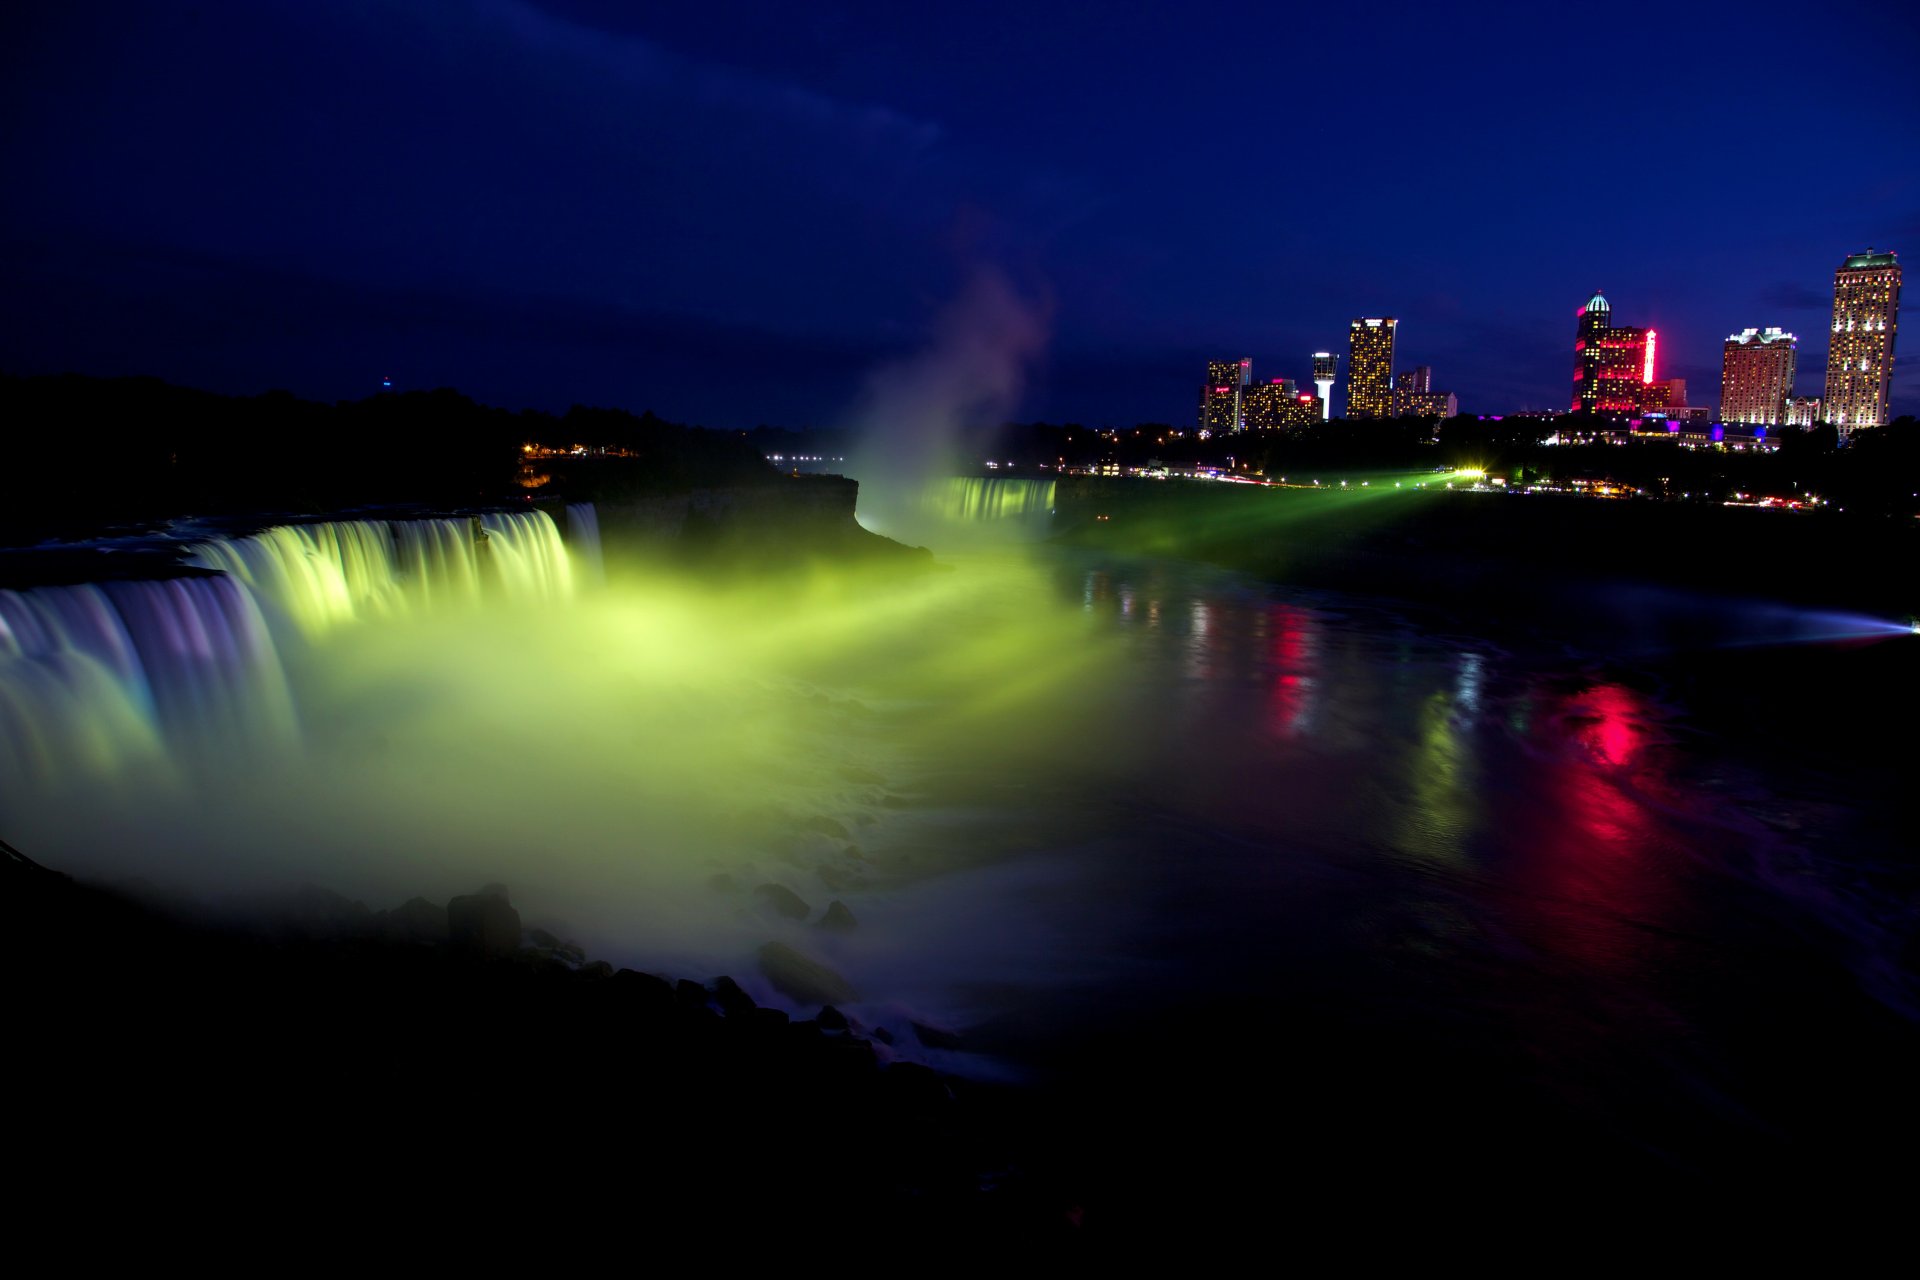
(1362, 908)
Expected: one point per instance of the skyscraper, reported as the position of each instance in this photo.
(1866, 319)
(1370, 368)
(1613, 367)
(1323, 380)
(1756, 376)
(1221, 407)
(1276, 405)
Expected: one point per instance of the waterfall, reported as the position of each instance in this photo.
(978, 499)
(583, 542)
(99, 675)
(310, 578)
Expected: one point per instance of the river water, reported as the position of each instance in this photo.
(1271, 898)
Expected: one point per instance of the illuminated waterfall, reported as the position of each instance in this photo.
(98, 675)
(583, 541)
(994, 499)
(316, 576)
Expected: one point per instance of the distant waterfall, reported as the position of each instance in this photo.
(98, 675)
(991, 499)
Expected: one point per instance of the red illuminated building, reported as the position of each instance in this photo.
(1613, 367)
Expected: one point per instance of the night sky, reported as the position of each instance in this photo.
(732, 213)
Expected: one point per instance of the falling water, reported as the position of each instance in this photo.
(583, 542)
(99, 675)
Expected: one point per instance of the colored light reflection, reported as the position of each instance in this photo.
(1294, 655)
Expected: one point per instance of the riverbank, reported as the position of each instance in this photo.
(1520, 555)
(328, 1066)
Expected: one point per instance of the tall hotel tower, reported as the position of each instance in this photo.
(1222, 406)
(1613, 368)
(1756, 377)
(1370, 368)
(1866, 318)
(1323, 380)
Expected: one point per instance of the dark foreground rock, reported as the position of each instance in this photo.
(803, 978)
(345, 1091)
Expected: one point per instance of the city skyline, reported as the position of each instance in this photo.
(737, 217)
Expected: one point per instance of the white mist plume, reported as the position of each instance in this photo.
(917, 414)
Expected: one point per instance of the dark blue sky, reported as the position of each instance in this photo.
(731, 213)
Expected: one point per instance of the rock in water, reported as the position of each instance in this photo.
(784, 900)
(803, 979)
(415, 920)
(936, 1037)
(838, 918)
(485, 922)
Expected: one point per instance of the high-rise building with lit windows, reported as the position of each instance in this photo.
(1276, 406)
(1803, 411)
(1612, 367)
(1323, 380)
(1756, 376)
(1221, 397)
(1370, 367)
(1866, 319)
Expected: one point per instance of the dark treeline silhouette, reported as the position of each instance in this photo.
(86, 452)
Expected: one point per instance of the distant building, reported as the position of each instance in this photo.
(1803, 411)
(1613, 366)
(1220, 398)
(1756, 375)
(1370, 367)
(1425, 404)
(1277, 406)
(1667, 391)
(1866, 319)
(1418, 380)
(1323, 379)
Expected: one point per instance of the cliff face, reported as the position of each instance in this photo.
(788, 519)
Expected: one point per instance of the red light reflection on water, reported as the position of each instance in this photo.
(1292, 656)
(1610, 721)
(1597, 874)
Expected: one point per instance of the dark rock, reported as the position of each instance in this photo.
(644, 989)
(690, 994)
(783, 900)
(484, 922)
(934, 1037)
(731, 999)
(541, 938)
(803, 979)
(916, 1085)
(314, 912)
(570, 952)
(838, 918)
(596, 969)
(831, 1019)
(883, 1035)
(415, 920)
(770, 1020)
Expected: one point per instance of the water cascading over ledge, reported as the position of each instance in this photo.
(95, 676)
